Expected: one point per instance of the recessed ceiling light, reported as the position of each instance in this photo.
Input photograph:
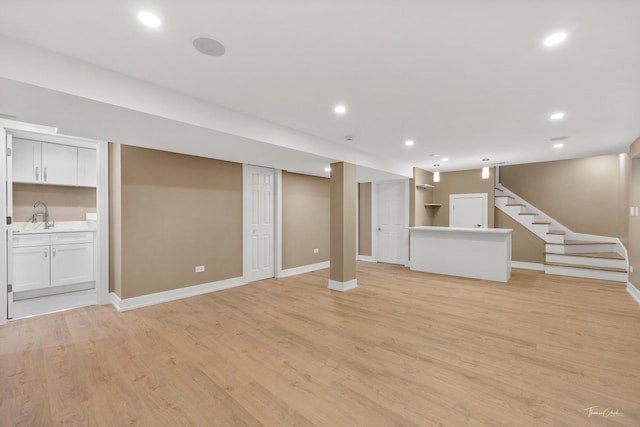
(149, 19)
(486, 159)
(556, 116)
(558, 138)
(558, 145)
(340, 109)
(555, 39)
(445, 159)
(435, 155)
(208, 46)
(327, 169)
(409, 142)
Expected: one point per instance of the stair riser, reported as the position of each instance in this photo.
(589, 274)
(592, 262)
(554, 238)
(539, 229)
(573, 249)
(502, 203)
(514, 210)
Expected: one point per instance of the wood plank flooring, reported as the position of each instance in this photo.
(404, 348)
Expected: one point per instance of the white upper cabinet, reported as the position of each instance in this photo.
(27, 161)
(39, 162)
(87, 167)
(59, 164)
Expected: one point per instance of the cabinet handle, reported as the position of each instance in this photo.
(54, 251)
(46, 252)
(37, 173)
(44, 174)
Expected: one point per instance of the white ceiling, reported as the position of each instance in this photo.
(465, 79)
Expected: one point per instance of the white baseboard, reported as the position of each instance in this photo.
(304, 269)
(366, 258)
(634, 292)
(527, 265)
(343, 286)
(174, 294)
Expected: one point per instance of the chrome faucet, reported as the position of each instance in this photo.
(34, 215)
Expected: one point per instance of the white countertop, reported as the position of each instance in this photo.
(466, 230)
(59, 227)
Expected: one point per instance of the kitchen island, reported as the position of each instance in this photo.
(479, 253)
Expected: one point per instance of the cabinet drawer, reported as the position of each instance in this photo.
(75, 237)
(27, 240)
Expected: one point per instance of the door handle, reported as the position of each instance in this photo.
(46, 252)
(37, 173)
(44, 174)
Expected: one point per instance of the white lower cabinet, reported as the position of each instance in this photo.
(30, 268)
(71, 264)
(65, 259)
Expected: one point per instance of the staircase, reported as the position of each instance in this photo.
(567, 253)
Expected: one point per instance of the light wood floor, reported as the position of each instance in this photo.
(405, 348)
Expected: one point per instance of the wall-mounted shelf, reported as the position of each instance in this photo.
(424, 186)
(432, 205)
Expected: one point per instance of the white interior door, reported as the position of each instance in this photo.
(468, 210)
(259, 222)
(391, 222)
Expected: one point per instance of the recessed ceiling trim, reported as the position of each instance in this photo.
(208, 46)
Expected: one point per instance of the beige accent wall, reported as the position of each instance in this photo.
(588, 195)
(115, 219)
(364, 219)
(343, 222)
(462, 182)
(633, 246)
(177, 212)
(419, 214)
(525, 246)
(64, 203)
(305, 219)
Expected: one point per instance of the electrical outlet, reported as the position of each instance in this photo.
(316, 250)
(199, 268)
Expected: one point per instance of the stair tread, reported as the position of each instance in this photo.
(586, 267)
(582, 242)
(603, 255)
(499, 189)
(541, 222)
(514, 204)
(511, 197)
(557, 232)
(527, 213)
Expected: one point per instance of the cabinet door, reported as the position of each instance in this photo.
(30, 268)
(87, 167)
(71, 264)
(59, 164)
(26, 159)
